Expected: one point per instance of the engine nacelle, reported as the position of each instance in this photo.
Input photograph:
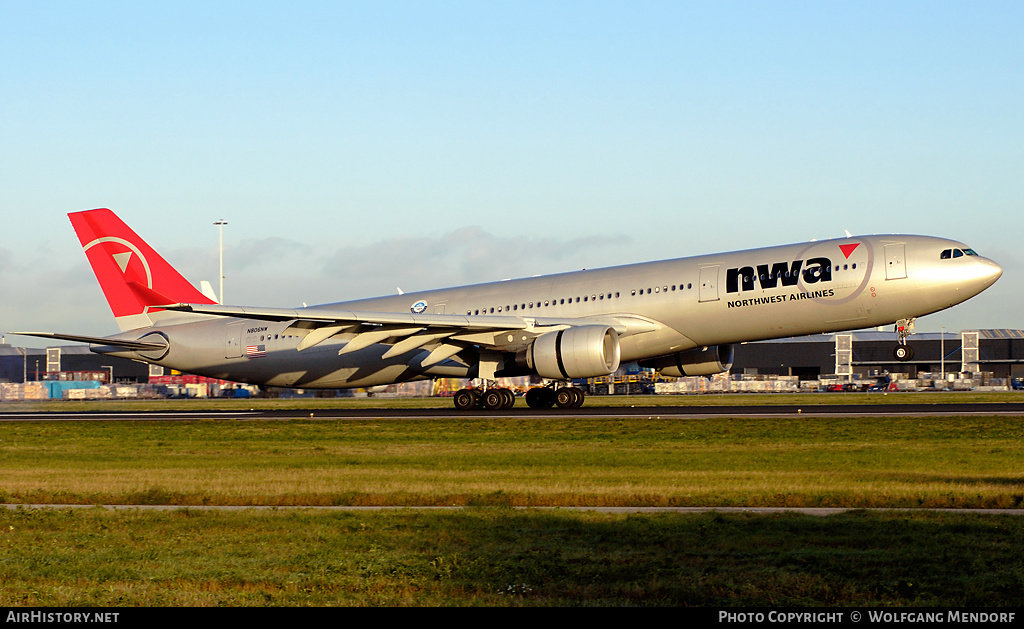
(583, 351)
(701, 361)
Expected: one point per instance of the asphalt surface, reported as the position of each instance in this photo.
(521, 411)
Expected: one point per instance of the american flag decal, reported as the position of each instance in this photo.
(255, 351)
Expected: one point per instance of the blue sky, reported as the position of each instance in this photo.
(358, 147)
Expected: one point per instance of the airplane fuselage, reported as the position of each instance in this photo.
(658, 308)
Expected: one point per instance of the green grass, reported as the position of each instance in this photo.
(491, 555)
(563, 461)
(501, 557)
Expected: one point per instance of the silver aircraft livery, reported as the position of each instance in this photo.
(680, 317)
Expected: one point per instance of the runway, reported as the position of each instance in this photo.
(1004, 409)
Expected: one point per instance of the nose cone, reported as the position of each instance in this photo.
(988, 272)
(979, 275)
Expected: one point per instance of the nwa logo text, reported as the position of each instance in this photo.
(785, 273)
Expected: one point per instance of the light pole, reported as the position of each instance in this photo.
(220, 238)
(942, 348)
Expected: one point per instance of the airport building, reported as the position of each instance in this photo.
(865, 353)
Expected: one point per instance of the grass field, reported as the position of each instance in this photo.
(489, 554)
(563, 461)
(494, 556)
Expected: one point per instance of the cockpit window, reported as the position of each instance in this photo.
(956, 253)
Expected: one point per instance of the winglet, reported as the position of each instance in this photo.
(135, 279)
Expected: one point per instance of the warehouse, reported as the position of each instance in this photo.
(999, 352)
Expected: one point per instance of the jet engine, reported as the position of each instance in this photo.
(583, 351)
(701, 361)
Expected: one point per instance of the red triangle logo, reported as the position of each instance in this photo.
(848, 249)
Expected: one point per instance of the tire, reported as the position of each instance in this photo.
(510, 399)
(540, 397)
(493, 400)
(533, 398)
(579, 397)
(565, 398)
(466, 399)
(903, 353)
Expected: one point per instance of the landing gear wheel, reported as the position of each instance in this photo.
(498, 399)
(903, 353)
(510, 399)
(579, 397)
(467, 399)
(540, 397)
(569, 397)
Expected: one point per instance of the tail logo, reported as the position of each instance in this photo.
(123, 259)
(135, 280)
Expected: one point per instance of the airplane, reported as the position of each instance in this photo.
(681, 317)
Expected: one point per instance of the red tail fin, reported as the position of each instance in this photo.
(133, 276)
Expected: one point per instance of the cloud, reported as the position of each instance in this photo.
(281, 272)
(464, 256)
(7, 262)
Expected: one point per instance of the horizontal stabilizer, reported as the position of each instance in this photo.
(97, 340)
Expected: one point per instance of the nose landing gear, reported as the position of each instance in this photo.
(903, 352)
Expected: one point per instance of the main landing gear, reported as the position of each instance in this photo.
(546, 397)
(489, 399)
(903, 352)
(501, 399)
